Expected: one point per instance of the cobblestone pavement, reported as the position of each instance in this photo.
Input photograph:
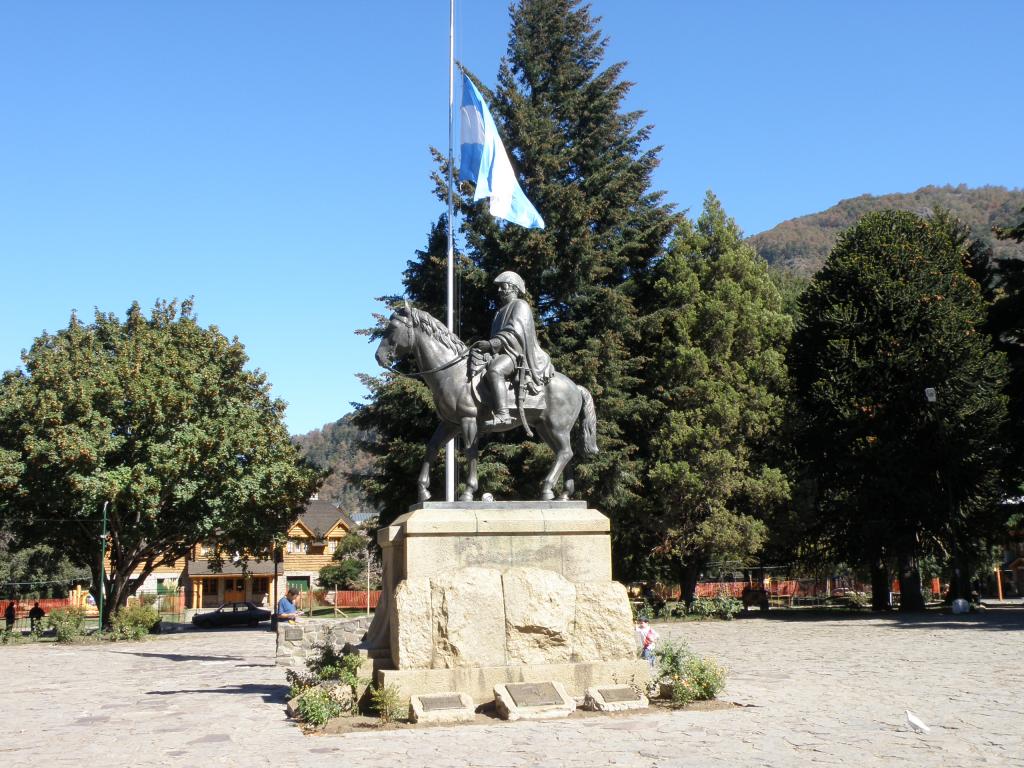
(819, 692)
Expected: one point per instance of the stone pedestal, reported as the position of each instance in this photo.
(477, 594)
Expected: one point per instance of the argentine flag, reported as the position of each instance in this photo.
(485, 162)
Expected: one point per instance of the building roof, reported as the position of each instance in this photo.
(319, 517)
(201, 567)
(363, 517)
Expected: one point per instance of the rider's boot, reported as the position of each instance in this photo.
(499, 399)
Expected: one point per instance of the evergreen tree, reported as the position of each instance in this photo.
(582, 162)
(1006, 324)
(893, 313)
(716, 381)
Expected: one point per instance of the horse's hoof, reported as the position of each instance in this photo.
(424, 494)
(564, 497)
(467, 496)
(547, 495)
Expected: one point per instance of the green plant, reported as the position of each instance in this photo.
(134, 622)
(727, 606)
(9, 637)
(704, 677)
(387, 702)
(671, 656)
(702, 608)
(860, 599)
(299, 681)
(316, 706)
(326, 664)
(691, 678)
(68, 623)
(723, 606)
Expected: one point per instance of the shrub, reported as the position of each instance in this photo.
(133, 622)
(68, 623)
(690, 677)
(702, 608)
(722, 607)
(316, 706)
(727, 606)
(299, 681)
(860, 599)
(387, 703)
(9, 637)
(325, 664)
(671, 657)
(704, 677)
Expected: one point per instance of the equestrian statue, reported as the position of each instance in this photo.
(498, 384)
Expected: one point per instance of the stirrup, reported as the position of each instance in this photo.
(499, 418)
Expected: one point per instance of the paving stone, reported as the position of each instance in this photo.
(836, 688)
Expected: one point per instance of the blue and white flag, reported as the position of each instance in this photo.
(484, 161)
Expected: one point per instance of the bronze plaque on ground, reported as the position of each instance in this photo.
(441, 701)
(533, 694)
(621, 693)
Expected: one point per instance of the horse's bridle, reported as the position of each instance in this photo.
(410, 319)
(421, 374)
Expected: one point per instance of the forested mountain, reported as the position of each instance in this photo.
(335, 446)
(802, 244)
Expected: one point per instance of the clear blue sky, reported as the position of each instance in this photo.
(271, 159)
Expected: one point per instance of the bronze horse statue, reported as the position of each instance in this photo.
(443, 363)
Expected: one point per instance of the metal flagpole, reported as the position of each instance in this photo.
(449, 452)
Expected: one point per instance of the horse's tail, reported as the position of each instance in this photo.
(589, 423)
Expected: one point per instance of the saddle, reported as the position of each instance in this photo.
(520, 394)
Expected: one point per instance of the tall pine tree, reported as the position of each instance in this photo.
(584, 164)
(716, 383)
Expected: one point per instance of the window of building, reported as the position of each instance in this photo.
(297, 547)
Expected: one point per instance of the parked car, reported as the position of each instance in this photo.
(232, 615)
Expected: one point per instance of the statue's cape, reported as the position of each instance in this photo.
(514, 330)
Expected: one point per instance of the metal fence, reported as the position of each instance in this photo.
(22, 622)
(170, 605)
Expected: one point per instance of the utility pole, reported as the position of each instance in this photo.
(103, 568)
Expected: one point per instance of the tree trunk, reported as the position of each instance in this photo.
(960, 572)
(879, 585)
(911, 598)
(686, 574)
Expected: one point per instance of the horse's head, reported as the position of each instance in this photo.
(398, 339)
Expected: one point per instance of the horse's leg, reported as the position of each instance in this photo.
(568, 481)
(558, 441)
(441, 436)
(470, 439)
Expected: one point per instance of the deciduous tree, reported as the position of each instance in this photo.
(157, 419)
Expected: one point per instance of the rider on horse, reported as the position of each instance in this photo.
(513, 344)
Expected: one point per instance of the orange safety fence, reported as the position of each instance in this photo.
(22, 607)
(355, 598)
(775, 588)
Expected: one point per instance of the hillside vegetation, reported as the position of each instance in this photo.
(335, 446)
(801, 245)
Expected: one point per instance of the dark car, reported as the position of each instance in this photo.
(232, 615)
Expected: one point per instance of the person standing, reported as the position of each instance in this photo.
(286, 609)
(36, 615)
(10, 614)
(647, 638)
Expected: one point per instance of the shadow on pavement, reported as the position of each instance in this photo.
(272, 694)
(181, 656)
(997, 618)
